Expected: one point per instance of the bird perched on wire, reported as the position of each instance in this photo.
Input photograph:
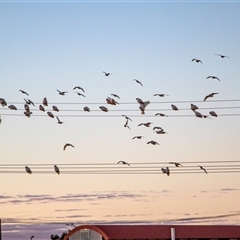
(77, 87)
(12, 107)
(45, 102)
(193, 107)
(107, 73)
(196, 60)
(222, 56)
(166, 170)
(123, 162)
(214, 77)
(86, 109)
(50, 114)
(209, 95)
(62, 92)
(55, 108)
(67, 145)
(28, 170)
(104, 109)
(212, 113)
(201, 167)
(41, 108)
(56, 169)
(23, 92)
(137, 81)
(176, 164)
(175, 108)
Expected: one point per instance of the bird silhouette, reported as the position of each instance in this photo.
(3, 102)
(198, 114)
(159, 128)
(29, 102)
(27, 114)
(147, 124)
(166, 170)
(142, 105)
(123, 162)
(128, 118)
(41, 108)
(67, 145)
(50, 114)
(137, 81)
(137, 137)
(55, 108)
(201, 167)
(160, 94)
(153, 142)
(86, 109)
(209, 95)
(160, 132)
(115, 95)
(107, 73)
(193, 107)
(12, 107)
(196, 60)
(126, 124)
(45, 102)
(214, 77)
(80, 94)
(161, 115)
(58, 120)
(23, 92)
(77, 87)
(222, 56)
(174, 107)
(61, 92)
(212, 113)
(28, 170)
(176, 164)
(56, 169)
(104, 109)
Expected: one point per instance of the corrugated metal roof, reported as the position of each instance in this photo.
(119, 232)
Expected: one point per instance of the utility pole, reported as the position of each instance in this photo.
(0, 229)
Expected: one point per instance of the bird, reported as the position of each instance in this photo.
(222, 56)
(128, 118)
(28, 170)
(107, 73)
(3, 102)
(196, 60)
(26, 107)
(161, 115)
(160, 94)
(142, 105)
(147, 124)
(111, 101)
(201, 167)
(126, 124)
(104, 109)
(59, 122)
(160, 128)
(27, 114)
(214, 77)
(176, 164)
(23, 92)
(166, 170)
(198, 114)
(0, 120)
(45, 102)
(137, 137)
(61, 93)
(41, 108)
(56, 169)
(77, 87)
(153, 142)
(123, 162)
(12, 107)
(174, 107)
(212, 113)
(54, 108)
(67, 145)
(138, 82)
(115, 95)
(29, 102)
(50, 114)
(80, 94)
(193, 107)
(86, 109)
(160, 132)
(209, 95)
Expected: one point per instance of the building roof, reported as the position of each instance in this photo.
(119, 232)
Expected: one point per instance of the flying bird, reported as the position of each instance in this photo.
(104, 109)
(137, 137)
(166, 170)
(107, 73)
(128, 118)
(86, 109)
(145, 124)
(56, 169)
(126, 124)
(67, 145)
(160, 94)
(174, 107)
(111, 101)
(160, 132)
(77, 87)
(61, 93)
(23, 92)
(153, 142)
(222, 56)
(123, 162)
(137, 81)
(28, 170)
(176, 164)
(45, 102)
(142, 105)
(160, 128)
(212, 113)
(214, 77)
(50, 114)
(115, 95)
(29, 102)
(58, 120)
(161, 115)
(196, 60)
(201, 167)
(80, 94)
(209, 95)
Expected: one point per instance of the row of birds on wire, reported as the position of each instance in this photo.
(137, 168)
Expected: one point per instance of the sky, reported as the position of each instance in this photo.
(57, 45)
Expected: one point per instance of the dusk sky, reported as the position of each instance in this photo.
(58, 45)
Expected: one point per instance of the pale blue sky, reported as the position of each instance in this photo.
(47, 46)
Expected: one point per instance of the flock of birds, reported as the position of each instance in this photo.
(113, 101)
